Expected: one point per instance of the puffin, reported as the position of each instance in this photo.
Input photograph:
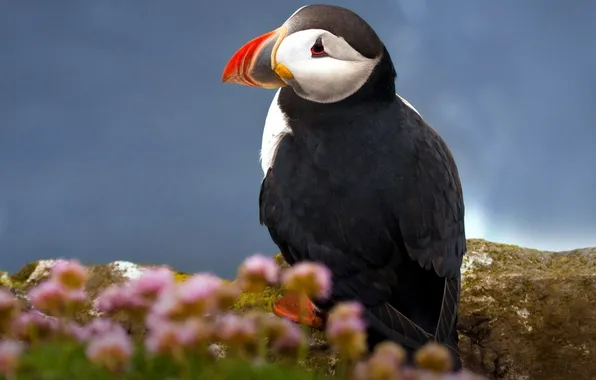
(355, 179)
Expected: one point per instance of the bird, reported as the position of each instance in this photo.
(355, 179)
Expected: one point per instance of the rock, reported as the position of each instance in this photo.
(528, 314)
(525, 314)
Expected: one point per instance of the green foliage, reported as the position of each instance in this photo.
(62, 360)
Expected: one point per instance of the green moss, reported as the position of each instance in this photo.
(5, 279)
(261, 302)
(22, 275)
(181, 276)
(279, 259)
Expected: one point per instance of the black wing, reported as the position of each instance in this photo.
(430, 217)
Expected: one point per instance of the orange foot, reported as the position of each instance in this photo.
(289, 307)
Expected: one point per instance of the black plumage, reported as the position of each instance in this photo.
(368, 188)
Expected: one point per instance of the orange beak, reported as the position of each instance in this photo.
(254, 64)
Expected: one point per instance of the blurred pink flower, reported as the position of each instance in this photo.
(8, 308)
(53, 298)
(164, 338)
(346, 330)
(101, 326)
(289, 339)
(120, 297)
(33, 325)
(191, 298)
(309, 278)
(165, 335)
(10, 352)
(7, 300)
(69, 273)
(193, 331)
(339, 327)
(258, 271)
(346, 309)
(75, 331)
(234, 330)
(111, 350)
(199, 291)
(111, 299)
(152, 282)
(165, 307)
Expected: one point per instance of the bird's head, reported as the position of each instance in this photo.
(325, 53)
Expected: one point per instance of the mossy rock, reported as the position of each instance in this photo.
(527, 313)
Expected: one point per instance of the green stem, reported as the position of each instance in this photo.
(302, 350)
(343, 369)
(262, 345)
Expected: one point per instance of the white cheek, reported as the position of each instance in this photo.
(295, 48)
(325, 79)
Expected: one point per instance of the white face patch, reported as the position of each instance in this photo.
(275, 129)
(325, 79)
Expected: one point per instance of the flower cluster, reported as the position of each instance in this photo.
(346, 330)
(63, 293)
(185, 319)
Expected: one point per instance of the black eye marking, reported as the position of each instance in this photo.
(318, 50)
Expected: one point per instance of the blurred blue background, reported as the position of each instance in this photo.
(118, 141)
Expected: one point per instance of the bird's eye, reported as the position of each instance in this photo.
(318, 50)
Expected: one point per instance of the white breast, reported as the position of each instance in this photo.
(276, 127)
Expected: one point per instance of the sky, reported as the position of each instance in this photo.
(118, 140)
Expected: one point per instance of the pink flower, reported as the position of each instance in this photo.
(164, 338)
(53, 298)
(33, 325)
(258, 271)
(111, 299)
(346, 309)
(120, 297)
(7, 300)
(102, 326)
(10, 352)
(75, 331)
(193, 331)
(346, 330)
(289, 340)
(235, 330)
(152, 282)
(167, 337)
(199, 289)
(226, 295)
(344, 326)
(112, 350)
(194, 297)
(309, 278)
(69, 273)
(8, 308)
(165, 307)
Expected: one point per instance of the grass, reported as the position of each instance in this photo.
(59, 360)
